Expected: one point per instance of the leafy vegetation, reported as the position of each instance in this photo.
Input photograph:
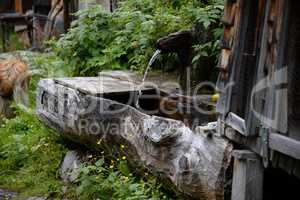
(117, 182)
(30, 155)
(14, 42)
(125, 38)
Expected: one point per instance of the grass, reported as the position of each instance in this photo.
(30, 156)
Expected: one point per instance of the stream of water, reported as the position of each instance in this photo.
(151, 62)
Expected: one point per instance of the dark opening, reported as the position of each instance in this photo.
(153, 102)
(292, 61)
(280, 185)
(146, 104)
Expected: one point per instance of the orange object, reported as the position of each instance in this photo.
(11, 71)
(19, 6)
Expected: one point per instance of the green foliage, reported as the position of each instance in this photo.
(30, 155)
(14, 42)
(208, 18)
(116, 183)
(125, 38)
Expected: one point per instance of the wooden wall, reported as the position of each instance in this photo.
(259, 97)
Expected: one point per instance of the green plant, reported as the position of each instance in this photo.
(30, 155)
(125, 39)
(115, 182)
(208, 19)
(30, 152)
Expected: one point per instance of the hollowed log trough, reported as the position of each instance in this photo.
(196, 164)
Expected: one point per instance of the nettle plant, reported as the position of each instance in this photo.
(125, 39)
(208, 18)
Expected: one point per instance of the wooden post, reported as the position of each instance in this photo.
(19, 6)
(247, 176)
(67, 22)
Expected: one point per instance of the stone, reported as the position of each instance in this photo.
(37, 198)
(208, 130)
(69, 170)
(7, 195)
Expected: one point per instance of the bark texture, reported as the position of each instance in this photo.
(194, 163)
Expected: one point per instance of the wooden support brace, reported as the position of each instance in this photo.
(247, 176)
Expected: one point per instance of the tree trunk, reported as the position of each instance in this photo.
(55, 17)
(196, 164)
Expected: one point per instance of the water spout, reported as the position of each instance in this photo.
(151, 62)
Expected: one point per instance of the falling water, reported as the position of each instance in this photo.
(152, 60)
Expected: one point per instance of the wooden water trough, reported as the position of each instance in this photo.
(99, 113)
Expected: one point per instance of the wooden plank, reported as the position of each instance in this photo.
(97, 86)
(247, 176)
(237, 123)
(285, 145)
(122, 81)
(253, 143)
(258, 99)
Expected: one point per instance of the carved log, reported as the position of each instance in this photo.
(194, 163)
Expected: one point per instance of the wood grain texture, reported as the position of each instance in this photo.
(236, 123)
(193, 163)
(247, 176)
(285, 145)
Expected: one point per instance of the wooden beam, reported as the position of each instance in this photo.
(252, 143)
(247, 176)
(237, 123)
(285, 145)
